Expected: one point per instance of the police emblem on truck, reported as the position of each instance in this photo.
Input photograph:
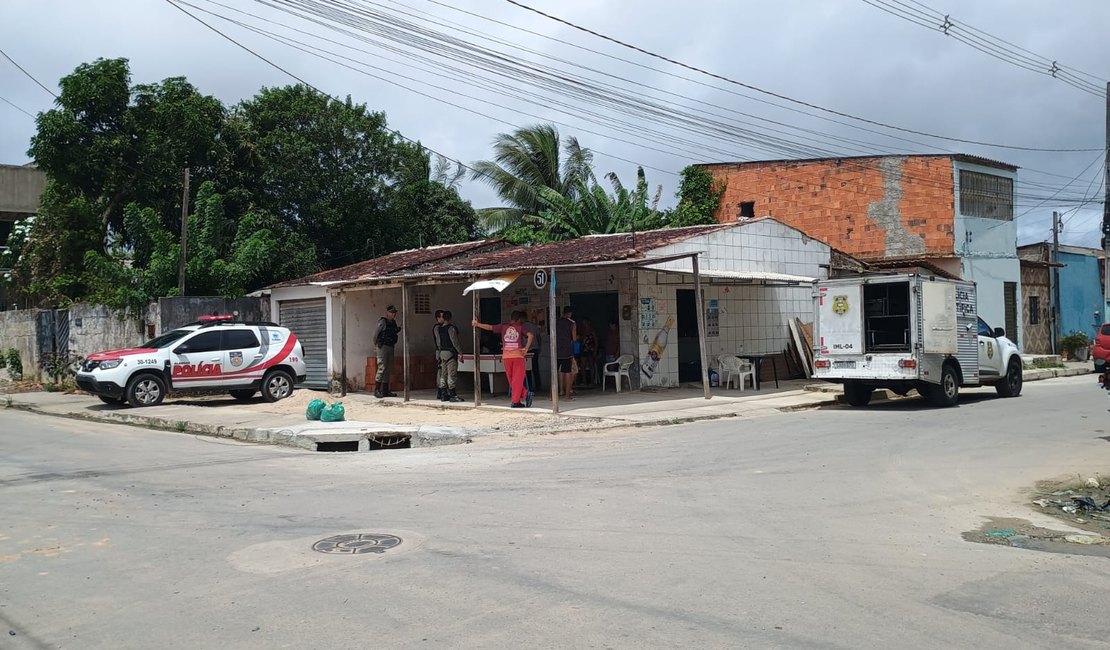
(840, 305)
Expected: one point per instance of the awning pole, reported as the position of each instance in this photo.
(477, 350)
(551, 318)
(701, 326)
(343, 343)
(405, 336)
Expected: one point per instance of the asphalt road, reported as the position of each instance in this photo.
(837, 528)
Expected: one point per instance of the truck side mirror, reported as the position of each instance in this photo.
(999, 332)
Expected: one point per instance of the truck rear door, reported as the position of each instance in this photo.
(840, 319)
(938, 311)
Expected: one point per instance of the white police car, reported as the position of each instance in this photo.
(215, 353)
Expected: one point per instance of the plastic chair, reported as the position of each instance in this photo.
(735, 369)
(616, 370)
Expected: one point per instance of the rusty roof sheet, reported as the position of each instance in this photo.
(903, 263)
(583, 251)
(401, 261)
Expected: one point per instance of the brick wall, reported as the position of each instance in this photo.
(871, 207)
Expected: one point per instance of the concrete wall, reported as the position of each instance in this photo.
(1080, 294)
(21, 189)
(95, 328)
(17, 330)
(990, 276)
(178, 311)
(873, 207)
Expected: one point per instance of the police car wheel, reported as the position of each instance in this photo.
(244, 394)
(145, 390)
(277, 384)
(1010, 386)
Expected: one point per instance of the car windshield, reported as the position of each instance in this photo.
(984, 329)
(166, 339)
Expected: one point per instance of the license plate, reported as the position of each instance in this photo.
(844, 364)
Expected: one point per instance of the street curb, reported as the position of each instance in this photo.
(298, 437)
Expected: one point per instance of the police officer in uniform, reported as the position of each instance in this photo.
(385, 339)
(448, 348)
(435, 341)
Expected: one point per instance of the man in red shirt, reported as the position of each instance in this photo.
(515, 341)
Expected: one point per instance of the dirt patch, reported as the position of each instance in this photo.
(364, 407)
(1083, 502)
(1019, 533)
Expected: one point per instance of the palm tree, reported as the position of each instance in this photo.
(525, 161)
(593, 211)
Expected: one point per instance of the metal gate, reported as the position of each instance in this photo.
(307, 319)
(52, 336)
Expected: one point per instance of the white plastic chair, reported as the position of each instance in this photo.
(616, 370)
(735, 369)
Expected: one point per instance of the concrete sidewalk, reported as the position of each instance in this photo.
(591, 410)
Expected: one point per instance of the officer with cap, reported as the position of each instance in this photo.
(385, 338)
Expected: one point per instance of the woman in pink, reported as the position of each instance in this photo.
(515, 341)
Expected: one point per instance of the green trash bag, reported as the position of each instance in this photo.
(332, 413)
(314, 408)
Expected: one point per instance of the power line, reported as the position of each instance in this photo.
(993, 46)
(29, 75)
(17, 107)
(780, 96)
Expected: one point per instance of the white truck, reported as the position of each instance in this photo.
(905, 332)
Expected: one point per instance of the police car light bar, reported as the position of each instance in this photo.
(214, 318)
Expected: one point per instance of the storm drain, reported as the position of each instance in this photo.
(357, 543)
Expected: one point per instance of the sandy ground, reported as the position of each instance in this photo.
(364, 407)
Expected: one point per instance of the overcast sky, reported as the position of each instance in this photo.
(844, 55)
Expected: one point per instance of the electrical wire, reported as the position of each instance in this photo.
(780, 96)
(29, 75)
(17, 107)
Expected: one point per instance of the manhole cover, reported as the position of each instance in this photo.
(357, 543)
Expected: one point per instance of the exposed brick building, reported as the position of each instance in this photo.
(947, 211)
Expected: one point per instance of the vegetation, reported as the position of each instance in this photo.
(1075, 340)
(283, 184)
(14, 363)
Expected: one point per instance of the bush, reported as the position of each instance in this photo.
(15, 364)
(1075, 340)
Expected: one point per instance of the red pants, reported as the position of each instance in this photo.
(514, 372)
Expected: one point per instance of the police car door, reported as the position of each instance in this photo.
(990, 353)
(197, 361)
(241, 354)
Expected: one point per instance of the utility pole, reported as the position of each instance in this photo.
(1106, 220)
(1054, 281)
(184, 236)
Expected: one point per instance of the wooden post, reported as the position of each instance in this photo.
(475, 313)
(405, 338)
(551, 318)
(701, 326)
(342, 343)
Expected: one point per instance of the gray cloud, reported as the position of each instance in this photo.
(842, 54)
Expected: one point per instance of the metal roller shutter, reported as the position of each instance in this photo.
(308, 321)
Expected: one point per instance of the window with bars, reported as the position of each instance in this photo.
(1034, 310)
(422, 303)
(986, 195)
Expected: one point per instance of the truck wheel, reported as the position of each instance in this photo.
(243, 394)
(1010, 386)
(856, 394)
(112, 401)
(145, 390)
(277, 384)
(948, 392)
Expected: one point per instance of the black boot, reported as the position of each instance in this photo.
(453, 396)
(378, 390)
(441, 394)
(386, 391)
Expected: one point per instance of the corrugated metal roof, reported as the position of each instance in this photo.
(407, 260)
(903, 263)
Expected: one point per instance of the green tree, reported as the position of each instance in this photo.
(699, 196)
(526, 161)
(426, 209)
(324, 167)
(593, 211)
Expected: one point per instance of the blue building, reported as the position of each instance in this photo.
(1080, 273)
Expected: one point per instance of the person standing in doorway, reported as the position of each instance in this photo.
(566, 334)
(515, 341)
(439, 361)
(448, 350)
(532, 325)
(385, 338)
(612, 342)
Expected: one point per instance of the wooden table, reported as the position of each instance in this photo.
(490, 364)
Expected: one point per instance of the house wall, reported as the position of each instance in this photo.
(1034, 284)
(95, 328)
(751, 318)
(17, 330)
(876, 207)
(990, 276)
(1080, 294)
